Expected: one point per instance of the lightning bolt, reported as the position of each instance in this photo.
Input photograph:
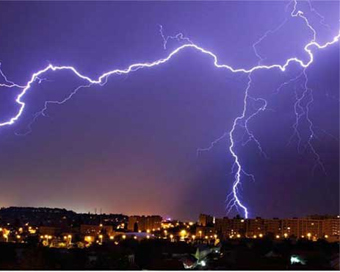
(233, 199)
(179, 37)
(240, 121)
(8, 83)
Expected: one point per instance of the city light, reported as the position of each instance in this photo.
(296, 260)
(202, 263)
(89, 239)
(183, 233)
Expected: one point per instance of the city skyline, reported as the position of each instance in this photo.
(194, 218)
(111, 241)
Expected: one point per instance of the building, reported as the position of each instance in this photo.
(331, 229)
(290, 228)
(205, 232)
(311, 229)
(255, 227)
(231, 227)
(88, 230)
(205, 220)
(144, 223)
(47, 230)
(272, 226)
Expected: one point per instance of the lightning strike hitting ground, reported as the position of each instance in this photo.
(240, 122)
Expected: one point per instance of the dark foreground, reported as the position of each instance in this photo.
(160, 254)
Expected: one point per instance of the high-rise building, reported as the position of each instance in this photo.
(272, 226)
(227, 227)
(255, 227)
(144, 223)
(312, 227)
(331, 228)
(205, 220)
(290, 228)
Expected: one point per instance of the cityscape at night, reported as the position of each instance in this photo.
(45, 238)
(169, 135)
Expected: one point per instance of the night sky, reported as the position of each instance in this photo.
(131, 146)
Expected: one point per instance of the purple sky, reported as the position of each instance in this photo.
(131, 145)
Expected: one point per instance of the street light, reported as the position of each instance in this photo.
(70, 238)
(183, 233)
